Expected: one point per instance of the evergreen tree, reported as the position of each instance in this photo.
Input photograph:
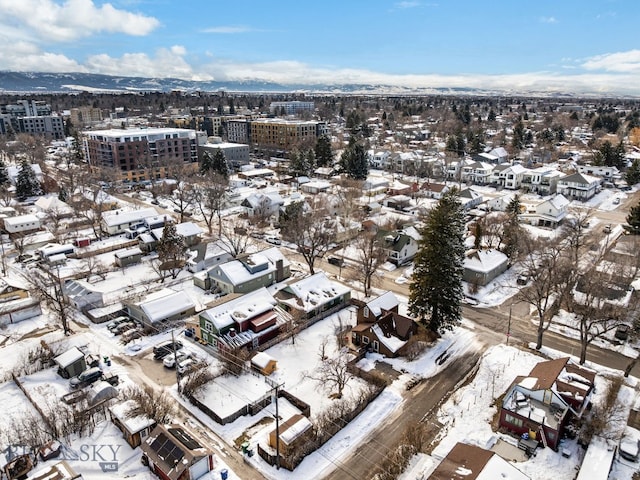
(354, 161)
(632, 176)
(633, 220)
(27, 184)
(171, 250)
(436, 291)
(219, 164)
(512, 229)
(206, 165)
(492, 116)
(4, 176)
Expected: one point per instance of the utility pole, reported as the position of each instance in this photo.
(276, 387)
(175, 359)
(509, 326)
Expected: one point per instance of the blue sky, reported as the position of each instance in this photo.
(588, 45)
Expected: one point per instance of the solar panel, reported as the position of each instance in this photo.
(184, 438)
(167, 450)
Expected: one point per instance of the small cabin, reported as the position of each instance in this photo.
(264, 363)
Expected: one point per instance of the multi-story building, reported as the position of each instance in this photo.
(142, 154)
(284, 134)
(31, 117)
(50, 126)
(236, 154)
(85, 115)
(238, 131)
(290, 108)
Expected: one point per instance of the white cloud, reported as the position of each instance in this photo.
(407, 4)
(26, 56)
(228, 29)
(624, 62)
(548, 20)
(72, 19)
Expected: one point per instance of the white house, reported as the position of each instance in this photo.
(512, 177)
(579, 186)
(548, 213)
(600, 171)
(114, 222)
(22, 223)
(162, 306)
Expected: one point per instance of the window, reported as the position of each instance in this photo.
(365, 340)
(516, 422)
(365, 312)
(376, 346)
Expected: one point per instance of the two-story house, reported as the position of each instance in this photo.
(579, 186)
(313, 296)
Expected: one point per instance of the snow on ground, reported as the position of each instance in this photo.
(468, 414)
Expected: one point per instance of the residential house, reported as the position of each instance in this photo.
(542, 403)
(478, 173)
(397, 202)
(501, 202)
(21, 224)
(263, 205)
(482, 266)
(173, 453)
(12, 289)
(58, 471)
(114, 222)
(608, 173)
(434, 190)
(542, 180)
(134, 429)
(399, 188)
(401, 246)
(380, 160)
(455, 169)
(375, 185)
(511, 177)
(313, 296)
(250, 272)
(314, 187)
(248, 320)
(500, 153)
(128, 256)
(548, 213)
(469, 462)
(160, 308)
(380, 327)
(71, 363)
(53, 206)
(206, 255)
(579, 186)
(495, 178)
(469, 198)
(264, 363)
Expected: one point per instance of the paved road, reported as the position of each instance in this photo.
(420, 402)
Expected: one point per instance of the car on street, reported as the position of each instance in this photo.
(273, 240)
(337, 261)
(86, 378)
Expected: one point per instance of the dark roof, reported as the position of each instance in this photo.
(393, 323)
(464, 462)
(547, 372)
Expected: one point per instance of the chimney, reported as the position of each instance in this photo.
(279, 270)
(232, 332)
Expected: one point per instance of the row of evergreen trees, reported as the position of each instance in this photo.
(27, 184)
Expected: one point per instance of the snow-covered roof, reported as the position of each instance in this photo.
(559, 201)
(240, 309)
(129, 252)
(52, 202)
(236, 273)
(485, 260)
(164, 304)
(598, 460)
(67, 358)
(316, 290)
(295, 430)
(188, 229)
(132, 424)
(386, 301)
(262, 359)
(20, 219)
(392, 342)
(120, 217)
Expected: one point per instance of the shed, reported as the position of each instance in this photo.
(294, 431)
(134, 429)
(71, 363)
(264, 363)
(128, 257)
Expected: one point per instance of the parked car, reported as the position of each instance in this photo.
(116, 321)
(522, 280)
(337, 261)
(86, 378)
(171, 359)
(185, 365)
(273, 240)
(622, 332)
(165, 348)
(130, 335)
(607, 229)
(123, 327)
(616, 201)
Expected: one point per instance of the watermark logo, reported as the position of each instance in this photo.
(104, 455)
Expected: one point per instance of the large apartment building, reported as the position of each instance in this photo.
(142, 154)
(31, 117)
(291, 107)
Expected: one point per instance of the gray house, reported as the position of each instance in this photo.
(482, 266)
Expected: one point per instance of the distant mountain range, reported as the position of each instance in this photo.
(39, 82)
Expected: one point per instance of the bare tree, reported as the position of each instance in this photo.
(235, 240)
(371, 253)
(150, 402)
(305, 226)
(182, 198)
(332, 373)
(210, 199)
(46, 286)
(92, 266)
(543, 264)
